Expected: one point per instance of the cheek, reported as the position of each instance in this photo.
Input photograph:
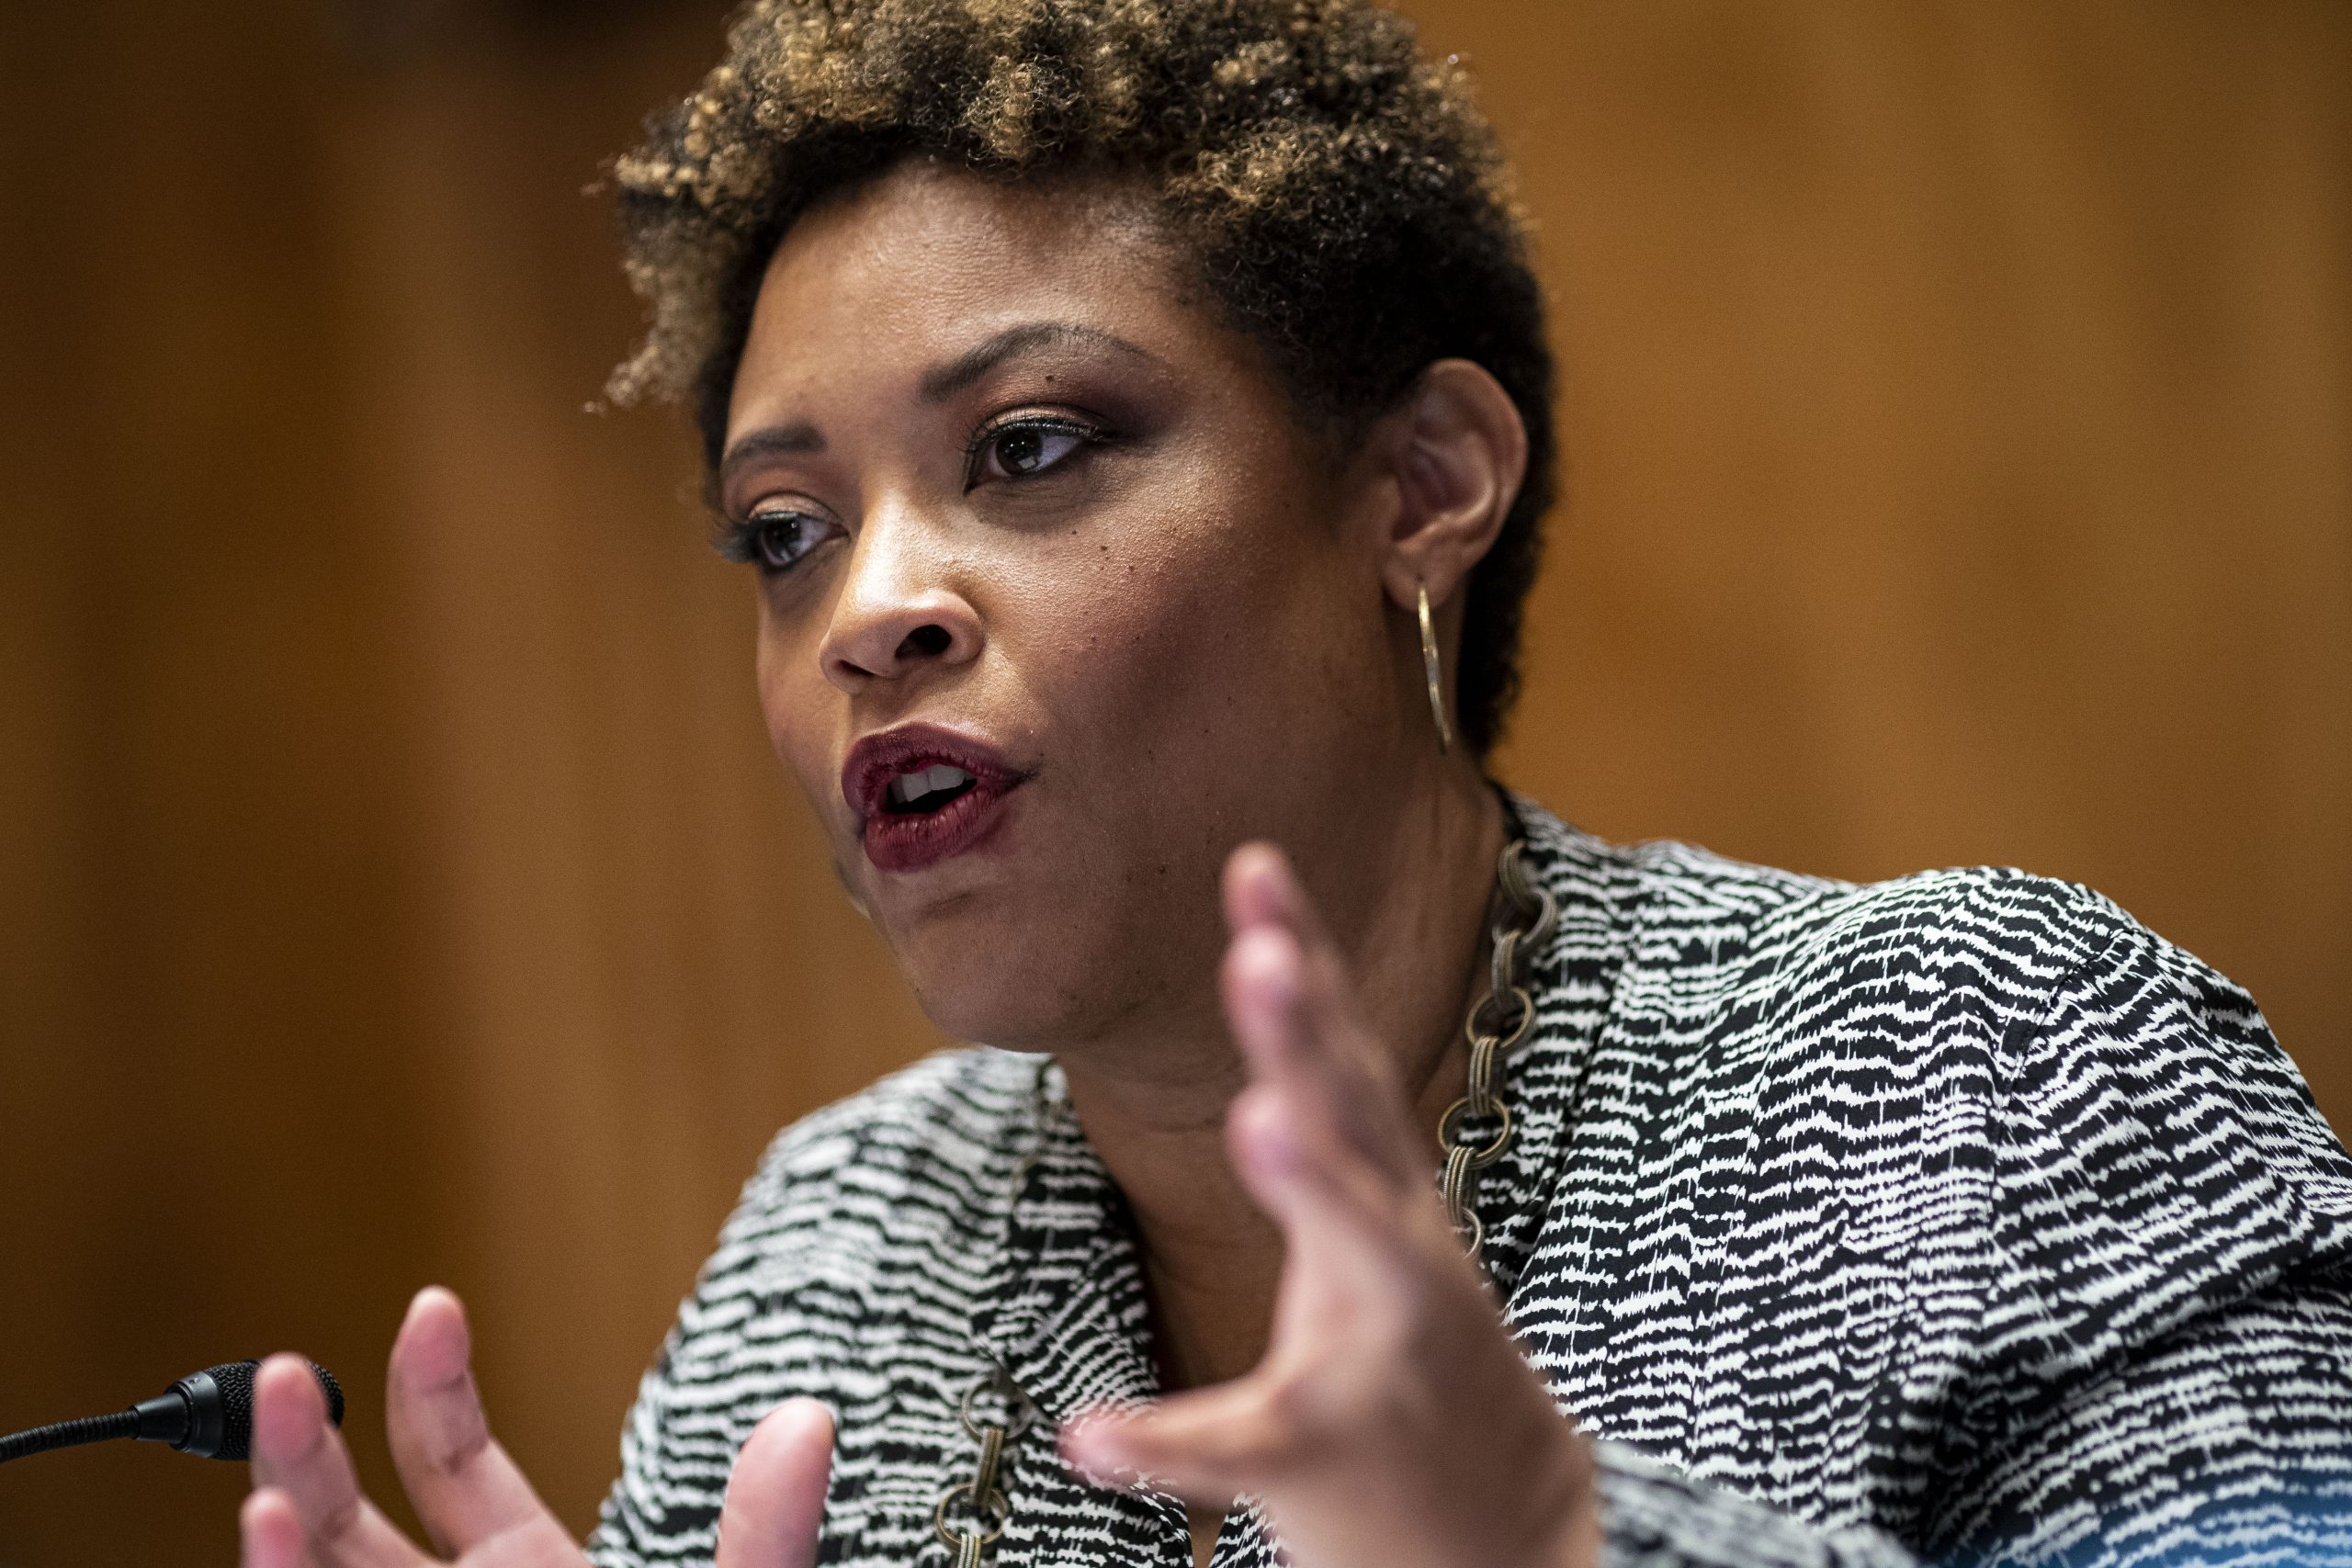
(793, 703)
(1211, 639)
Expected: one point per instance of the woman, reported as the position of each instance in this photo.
(1137, 414)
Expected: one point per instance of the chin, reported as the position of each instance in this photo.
(986, 973)
(953, 952)
(1009, 1006)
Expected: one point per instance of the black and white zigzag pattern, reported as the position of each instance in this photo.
(1956, 1218)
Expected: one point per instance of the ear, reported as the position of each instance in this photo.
(1456, 451)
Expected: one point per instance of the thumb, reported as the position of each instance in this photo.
(775, 1499)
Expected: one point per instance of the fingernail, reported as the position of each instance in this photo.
(426, 1359)
(1278, 886)
(416, 1302)
(282, 1430)
(1263, 885)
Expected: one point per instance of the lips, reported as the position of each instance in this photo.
(923, 794)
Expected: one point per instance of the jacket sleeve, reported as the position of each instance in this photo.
(2228, 1442)
(1653, 1517)
(2166, 1357)
(716, 1376)
(2162, 1373)
(661, 1509)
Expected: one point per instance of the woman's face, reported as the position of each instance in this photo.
(1059, 602)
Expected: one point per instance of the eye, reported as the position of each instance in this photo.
(1019, 448)
(774, 540)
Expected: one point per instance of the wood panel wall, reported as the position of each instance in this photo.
(393, 883)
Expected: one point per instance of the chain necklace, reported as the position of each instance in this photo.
(1524, 915)
(1497, 1021)
(991, 1510)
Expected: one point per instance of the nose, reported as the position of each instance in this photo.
(896, 614)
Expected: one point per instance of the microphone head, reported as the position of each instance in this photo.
(220, 1407)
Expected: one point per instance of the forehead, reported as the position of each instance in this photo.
(912, 267)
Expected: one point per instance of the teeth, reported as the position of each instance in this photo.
(908, 788)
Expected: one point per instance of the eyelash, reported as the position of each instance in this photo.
(1088, 433)
(742, 539)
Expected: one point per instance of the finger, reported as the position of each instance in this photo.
(775, 1499)
(269, 1531)
(1209, 1445)
(1263, 890)
(299, 1454)
(1297, 1031)
(1298, 1174)
(1348, 1235)
(1285, 1020)
(465, 1487)
(1261, 887)
(1262, 893)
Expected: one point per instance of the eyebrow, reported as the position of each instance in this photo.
(976, 362)
(774, 440)
(937, 385)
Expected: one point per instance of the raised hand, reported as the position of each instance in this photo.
(307, 1510)
(1392, 1420)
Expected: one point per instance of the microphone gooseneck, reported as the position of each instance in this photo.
(68, 1434)
(208, 1414)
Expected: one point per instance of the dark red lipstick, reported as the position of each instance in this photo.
(922, 794)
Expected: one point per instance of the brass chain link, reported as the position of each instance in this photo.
(1497, 1021)
(991, 1510)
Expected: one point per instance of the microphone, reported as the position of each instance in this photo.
(208, 1414)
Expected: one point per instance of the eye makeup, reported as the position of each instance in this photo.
(1025, 445)
(774, 539)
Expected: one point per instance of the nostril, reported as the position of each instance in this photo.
(928, 641)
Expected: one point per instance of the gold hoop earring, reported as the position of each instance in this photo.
(1431, 670)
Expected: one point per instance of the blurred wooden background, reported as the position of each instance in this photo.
(393, 883)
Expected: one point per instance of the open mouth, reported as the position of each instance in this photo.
(925, 790)
(923, 793)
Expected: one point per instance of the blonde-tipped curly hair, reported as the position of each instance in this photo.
(1345, 201)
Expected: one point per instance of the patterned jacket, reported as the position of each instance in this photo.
(1956, 1218)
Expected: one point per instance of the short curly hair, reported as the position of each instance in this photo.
(1347, 203)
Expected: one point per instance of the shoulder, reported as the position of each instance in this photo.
(2064, 1028)
(857, 1214)
(2076, 1104)
(1802, 956)
(860, 1221)
(900, 1167)
(946, 1112)
(1992, 938)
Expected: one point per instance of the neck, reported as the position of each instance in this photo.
(1406, 898)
